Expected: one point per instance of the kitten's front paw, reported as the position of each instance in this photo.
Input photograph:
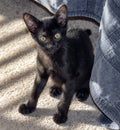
(55, 91)
(25, 109)
(82, 95)
(59, 118)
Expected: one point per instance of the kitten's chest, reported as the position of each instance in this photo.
(45, 61)
(53, 64)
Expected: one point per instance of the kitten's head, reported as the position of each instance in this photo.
(48, 32)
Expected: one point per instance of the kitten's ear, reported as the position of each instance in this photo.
(31, 22)
(62, 15)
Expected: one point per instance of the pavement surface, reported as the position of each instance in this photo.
(17, 74)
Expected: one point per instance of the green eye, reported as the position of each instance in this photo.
(43, 38)
(57, 36)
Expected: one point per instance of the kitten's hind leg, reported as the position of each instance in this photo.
(39, 85)
(56, 88)
(55, 91)
(83, 93)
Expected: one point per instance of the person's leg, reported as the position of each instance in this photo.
(105, 78)
(106, 122)
(87, 8)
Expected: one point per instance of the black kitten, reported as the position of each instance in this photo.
(66, 56)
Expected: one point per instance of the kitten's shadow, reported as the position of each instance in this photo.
(74, 116)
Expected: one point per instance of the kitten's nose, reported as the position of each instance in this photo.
(49, 46)
(53, 43)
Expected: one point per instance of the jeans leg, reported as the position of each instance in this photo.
(105, 83)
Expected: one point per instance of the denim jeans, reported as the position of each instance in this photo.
(88, 8)
(104, 83)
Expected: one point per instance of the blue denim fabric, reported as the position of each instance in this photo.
(105, 85)
(105, 78)
(88, 8)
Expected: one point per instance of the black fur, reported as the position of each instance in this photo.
(67, 57)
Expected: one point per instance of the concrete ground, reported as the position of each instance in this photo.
(17, 73)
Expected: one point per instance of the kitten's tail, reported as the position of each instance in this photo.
(88, 31)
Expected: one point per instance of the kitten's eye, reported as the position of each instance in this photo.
(57, 36)
(43, 38)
